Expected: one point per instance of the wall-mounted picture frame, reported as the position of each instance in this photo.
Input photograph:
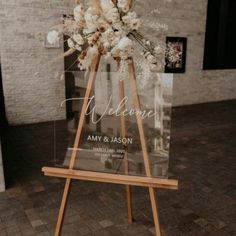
(175, 57)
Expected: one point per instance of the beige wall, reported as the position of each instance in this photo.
(33, 97)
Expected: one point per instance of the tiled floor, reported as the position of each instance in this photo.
(203, 152)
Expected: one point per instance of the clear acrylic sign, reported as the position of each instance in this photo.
(102, 146)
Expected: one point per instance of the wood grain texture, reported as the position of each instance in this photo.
(91, 80)
(136, 103)
(111, 178)
(126, 161)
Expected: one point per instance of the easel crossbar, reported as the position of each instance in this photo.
(111, 178)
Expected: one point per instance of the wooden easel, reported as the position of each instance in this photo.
(126, 179)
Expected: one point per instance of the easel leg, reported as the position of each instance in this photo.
(155, 211)
(126, 161)
(136, 102)
(62, 207)
(92, 76)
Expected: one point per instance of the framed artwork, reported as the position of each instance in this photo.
(175, 54)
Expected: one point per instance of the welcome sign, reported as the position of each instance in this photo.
(102, 147)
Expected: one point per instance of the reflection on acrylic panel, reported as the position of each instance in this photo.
(102, 145)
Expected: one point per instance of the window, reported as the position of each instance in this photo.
(220, 48)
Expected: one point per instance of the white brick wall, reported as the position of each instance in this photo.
(32, 97)
(187, 18)
(32, 93)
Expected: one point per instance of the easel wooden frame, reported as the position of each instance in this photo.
(126, 180)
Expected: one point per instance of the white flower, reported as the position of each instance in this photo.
(78, 48)
(112, 15)
(53, 37)
(125, 43)
(106, 44)
(115, 41)
(70, 43)
(78, 13)
(93, 51)
(109, 38)
(123, 5)
(124, 48)
(115, 52)
(106, 5)
(78, 39)
(87, 61)
(110, 11)
(91, 21)
(118, 26)
(131, 20)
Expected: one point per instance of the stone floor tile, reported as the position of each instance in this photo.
(3, 232)
(206, 189)
(201, 222)
(106, 223)
(185, 212)
(36, 223)
(181, 167)
(220, 224)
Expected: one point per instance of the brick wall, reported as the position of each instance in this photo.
(187, 18)
(31, 90)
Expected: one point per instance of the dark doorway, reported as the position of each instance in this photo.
(3, 120)
(3, 125)
(71, 66)
(220, 35)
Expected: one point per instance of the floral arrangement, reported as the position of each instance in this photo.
(106, 27)
(173, 53)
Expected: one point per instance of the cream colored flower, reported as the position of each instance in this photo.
(78, 39)
(131, 20)
(53, 37)
(104, 27)
(78, 48)
(79, 13)
(115, 52)
(112, 15)
(106, 5)
(124, 48)
(86, 61)
(91, 21)
(70, 43)
(123, 5)
(125, 43)
(92, 51)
